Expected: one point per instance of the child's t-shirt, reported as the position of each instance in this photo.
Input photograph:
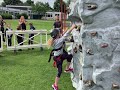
(9, 29)
(58, 43)
(32, 28)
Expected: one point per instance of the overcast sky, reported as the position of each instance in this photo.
(51, 2)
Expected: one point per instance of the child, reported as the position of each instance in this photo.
(8, 28)
(19, 37)
(31, 36)
(59, 55)
(2, 23)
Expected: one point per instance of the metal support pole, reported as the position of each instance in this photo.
(61, 9)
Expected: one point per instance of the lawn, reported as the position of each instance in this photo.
(39, 24)
(29, 69)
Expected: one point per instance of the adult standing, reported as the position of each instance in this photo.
(58, 24)
(2, 22)
(22, 22)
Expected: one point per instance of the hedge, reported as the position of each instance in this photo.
(23, 14)
(6, 16)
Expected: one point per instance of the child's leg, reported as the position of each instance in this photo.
(59, 67)
(2, 29)
(32, 38)
(10, 41)
(29, 39)
(0, 41)
(68, 57)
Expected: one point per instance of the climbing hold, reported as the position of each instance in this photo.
(80, 48)
(93, 34)
(115, 86)
(104, 45)
(119, 70)
(88, 83)
(75, 49)
(84, 35)
(80, 77)
(91, 6)
(89, 51)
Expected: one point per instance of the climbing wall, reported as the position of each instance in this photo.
(97, 67)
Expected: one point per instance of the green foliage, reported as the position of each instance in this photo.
(41, 8)
(3, 4)
(12, 2)
(23, 14)
(29, 3)
(6, 16)
(57, 6)
(47, 6)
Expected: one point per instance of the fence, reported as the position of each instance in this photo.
(1, 42)
(35, 39)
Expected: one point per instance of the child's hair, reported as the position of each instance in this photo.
(8, 25)
(50, 42)
(31, 24)
(54, 33)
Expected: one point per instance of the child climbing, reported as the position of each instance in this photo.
(59, 55)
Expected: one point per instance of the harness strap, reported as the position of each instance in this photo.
(58, 58)
(51, 53)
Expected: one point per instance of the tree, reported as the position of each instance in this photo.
(57, 6)
(3, 4)
(12, 2)
(47, 6)
(39, 7)
(29, 3)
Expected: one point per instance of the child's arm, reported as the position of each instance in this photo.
(69, 31)
(63, 38)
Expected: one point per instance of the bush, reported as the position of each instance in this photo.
(23, 14)
(37, 16)
(6, 16)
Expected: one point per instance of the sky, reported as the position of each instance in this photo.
(51, 2)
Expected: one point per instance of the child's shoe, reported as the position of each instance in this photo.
(54, 87)
(68, 70)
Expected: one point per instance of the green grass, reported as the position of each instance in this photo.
(29, 69)
(39, 24)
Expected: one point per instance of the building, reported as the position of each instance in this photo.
(51, 15)
(14, 10)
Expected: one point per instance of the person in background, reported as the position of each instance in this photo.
(9, 37)
(31, 36)
(22, 22)
(2, 23)
(19, 37)
(58, 24)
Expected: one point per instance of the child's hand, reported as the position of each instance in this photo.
(72, 27)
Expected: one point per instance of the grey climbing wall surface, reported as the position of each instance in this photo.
(98, 66)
